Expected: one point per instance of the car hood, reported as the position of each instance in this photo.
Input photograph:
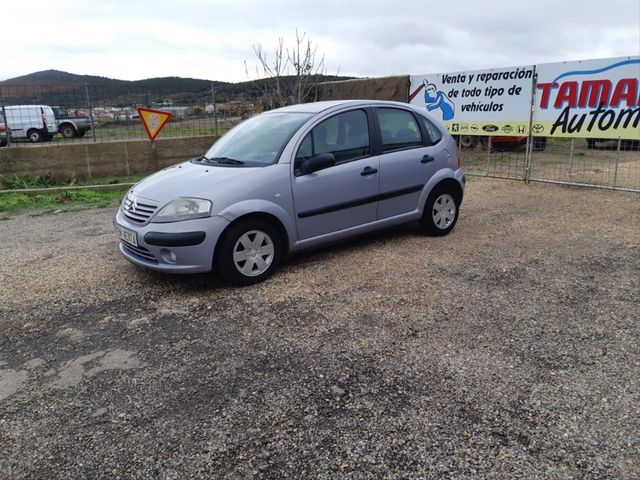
(195, 180)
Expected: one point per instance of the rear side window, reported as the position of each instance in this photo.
(346, 135)
(398, 129)
(434, 134)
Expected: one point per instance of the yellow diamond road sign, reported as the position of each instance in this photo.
(153, 120)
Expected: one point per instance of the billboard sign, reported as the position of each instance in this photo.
(591, 98)
(479, 102)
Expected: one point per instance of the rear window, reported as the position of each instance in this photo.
(434, 134)
(398, 129)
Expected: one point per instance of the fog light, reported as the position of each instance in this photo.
(168, 256)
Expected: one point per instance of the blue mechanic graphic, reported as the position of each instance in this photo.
(435, 98)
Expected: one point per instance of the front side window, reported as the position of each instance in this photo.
(345, 135)
(398, 129)
(259, 140)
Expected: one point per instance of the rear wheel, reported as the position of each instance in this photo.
(34, 135)
(67, 130)
(539, 144)
(440, 212)
(467, 141)
(249, 252)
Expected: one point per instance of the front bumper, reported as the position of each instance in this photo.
(177, 247)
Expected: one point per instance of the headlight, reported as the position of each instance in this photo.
(183, 209)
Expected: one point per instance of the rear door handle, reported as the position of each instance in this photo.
(368, 171)
(427, 159)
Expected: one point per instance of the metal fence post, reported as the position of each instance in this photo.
(486, 170)
(528, 159)
(93, 126)
(615, 171)
(215, 111)
(4, 117)
(573, 141)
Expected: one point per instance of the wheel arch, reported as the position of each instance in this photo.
(265, 216)
(443, 178)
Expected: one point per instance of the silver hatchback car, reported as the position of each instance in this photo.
(291, 179)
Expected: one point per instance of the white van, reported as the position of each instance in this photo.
(34, 122)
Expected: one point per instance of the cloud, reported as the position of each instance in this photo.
(203, 39)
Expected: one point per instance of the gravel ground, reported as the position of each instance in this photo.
(508, 349)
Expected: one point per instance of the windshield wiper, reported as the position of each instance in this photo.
(226, 160)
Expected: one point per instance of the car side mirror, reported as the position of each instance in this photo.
(318, 162)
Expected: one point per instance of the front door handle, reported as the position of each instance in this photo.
(368, 171)
(427, 159)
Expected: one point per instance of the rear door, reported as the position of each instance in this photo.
(407, 162)
(344, 195)
(49, 116)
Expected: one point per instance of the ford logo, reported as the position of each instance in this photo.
(490, 128)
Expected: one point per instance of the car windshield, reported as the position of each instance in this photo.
(257, 141)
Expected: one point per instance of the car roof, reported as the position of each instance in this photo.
(317, 107)
(27, 106)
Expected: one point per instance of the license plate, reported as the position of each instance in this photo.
(127, 235)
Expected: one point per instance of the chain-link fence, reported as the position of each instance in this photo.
(81, 113)
(63, 113)
(602, 163)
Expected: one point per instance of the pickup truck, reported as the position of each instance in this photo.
(71, 126)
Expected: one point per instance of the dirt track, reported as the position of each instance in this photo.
(508, 349)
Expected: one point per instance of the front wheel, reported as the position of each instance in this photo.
(440, 212)
(249, 252)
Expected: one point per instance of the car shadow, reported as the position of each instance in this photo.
(209, 281)
(342, 247)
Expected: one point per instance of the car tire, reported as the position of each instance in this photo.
(68, 131)
(249, 252)
(468, 141)
(34, 135)
(539, 144)
(441, 211)
(81, 133)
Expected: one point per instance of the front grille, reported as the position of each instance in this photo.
(139, 252)
(137, 210)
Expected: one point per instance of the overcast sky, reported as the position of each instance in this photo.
(135, 39)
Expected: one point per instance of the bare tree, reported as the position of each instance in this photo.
(306, 66)
(271, 71)
(290, 75)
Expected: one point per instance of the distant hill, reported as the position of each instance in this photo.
(63, 88)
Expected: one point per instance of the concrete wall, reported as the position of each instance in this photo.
(85, 160)
(385, 88)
